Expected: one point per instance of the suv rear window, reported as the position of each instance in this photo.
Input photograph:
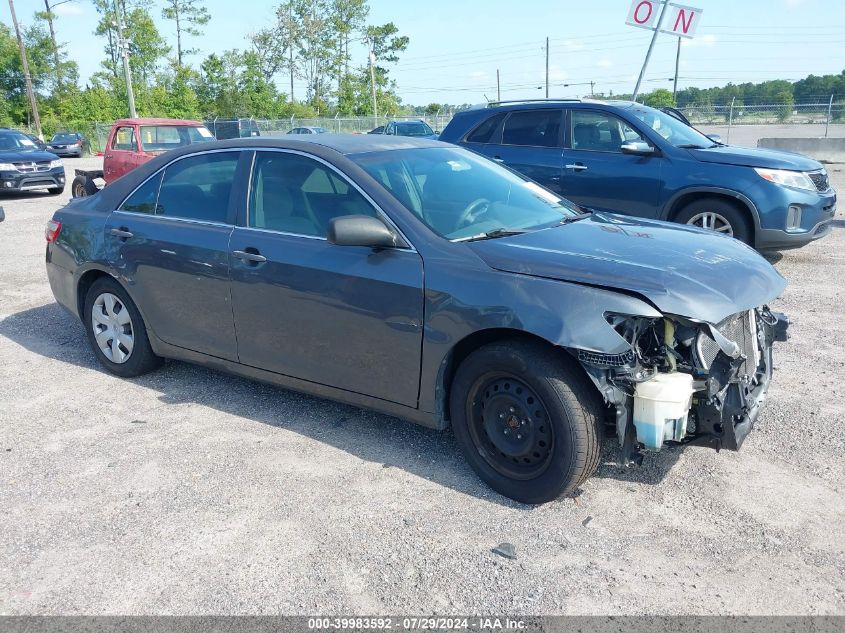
(533, 128)
(484, 132)
(158, 138)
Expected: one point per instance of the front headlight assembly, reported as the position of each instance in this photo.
(787, 178)
(56, 163)
(7, 167)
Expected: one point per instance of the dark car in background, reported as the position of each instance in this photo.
(70, 144)
(424, 281)
(629, 158)
(308, 130)
(25, 167)
(416, 129)
(377, 130)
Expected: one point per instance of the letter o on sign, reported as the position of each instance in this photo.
(638, 12)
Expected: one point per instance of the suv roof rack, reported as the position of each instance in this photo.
(496, 103)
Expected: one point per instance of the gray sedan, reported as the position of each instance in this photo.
(421, 280)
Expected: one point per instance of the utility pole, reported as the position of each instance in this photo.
(33, 104)
(650, 48)
(49, 13)
(373, 77)
(498, 87)
(547, 68)
(592, 91)
(124, 47)
(677, 65)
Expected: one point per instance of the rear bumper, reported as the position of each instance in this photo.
(63, 284)
(13, 181)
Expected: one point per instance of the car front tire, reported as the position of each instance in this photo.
(528, 420)
(116, 330)
(717, 215)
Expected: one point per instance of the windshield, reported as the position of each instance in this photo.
(413, 129)
(15, 141)
(160, 138)
(64, 138)
(670, 128)
(458, 194)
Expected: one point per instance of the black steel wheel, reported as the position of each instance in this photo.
(527, 418)
(510, 424)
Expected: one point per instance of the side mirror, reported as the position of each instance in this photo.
(716, 138)
(361, 230)
(636, 147)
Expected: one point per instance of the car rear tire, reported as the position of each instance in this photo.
(718, 215)
(83, 186)
(528, 421)
(116, 330)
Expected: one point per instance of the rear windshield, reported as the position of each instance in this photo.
(64, 138)
(161, 138)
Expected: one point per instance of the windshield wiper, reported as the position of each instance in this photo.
(692, 146)
(490, 235)
(574, 218)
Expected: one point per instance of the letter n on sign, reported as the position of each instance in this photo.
(644, 13)
(681, 20)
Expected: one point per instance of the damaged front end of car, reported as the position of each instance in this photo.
(684, 381)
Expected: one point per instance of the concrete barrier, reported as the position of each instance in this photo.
(826, 150)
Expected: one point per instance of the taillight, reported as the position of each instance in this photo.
(51, 232)
(78, 142)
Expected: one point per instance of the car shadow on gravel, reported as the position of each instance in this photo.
(379, 439)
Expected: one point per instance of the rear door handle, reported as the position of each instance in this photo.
(499, 159)
(577, 167)
(250, 257)
(122, 233)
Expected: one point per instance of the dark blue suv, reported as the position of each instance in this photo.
(629, 158)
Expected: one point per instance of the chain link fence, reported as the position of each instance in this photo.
(735, 113)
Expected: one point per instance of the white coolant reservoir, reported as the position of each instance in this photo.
(661, 407)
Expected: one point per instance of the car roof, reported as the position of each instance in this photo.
(154, 121)
(346, 144)
(542, 104)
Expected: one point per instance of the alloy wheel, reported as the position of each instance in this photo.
(712, 221)
(112, 325)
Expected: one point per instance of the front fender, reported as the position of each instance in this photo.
(564, 314)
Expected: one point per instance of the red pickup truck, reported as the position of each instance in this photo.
(132, 142)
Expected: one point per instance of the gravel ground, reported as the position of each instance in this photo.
(192, 492)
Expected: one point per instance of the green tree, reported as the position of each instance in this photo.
(659, 98)
(785, 103)
(189, 16)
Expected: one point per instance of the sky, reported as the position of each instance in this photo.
(456, 46)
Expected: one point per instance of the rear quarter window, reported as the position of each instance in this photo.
(484, 132)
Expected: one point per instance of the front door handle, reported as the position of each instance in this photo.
(499, 159)
(123, 233)
(577, 167)
(255, 258)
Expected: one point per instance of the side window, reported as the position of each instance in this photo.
(533, 128)
(484, 132)
(198, 187)
(600, 132)
(156, 138)
(294, 194)
(145, 197)
(124, 138)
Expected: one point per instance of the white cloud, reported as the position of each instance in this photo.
(69, 8)
(708, 39)
(479, 74)
(604, 63)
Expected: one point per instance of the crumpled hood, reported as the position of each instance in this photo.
(682, 270)
(751, 157)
